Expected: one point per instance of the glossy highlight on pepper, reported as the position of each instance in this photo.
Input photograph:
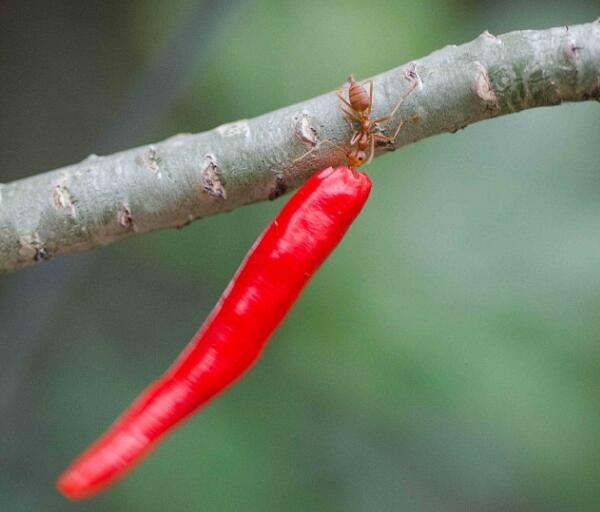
(265, 287)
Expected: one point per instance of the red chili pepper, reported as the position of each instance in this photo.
(264, 288)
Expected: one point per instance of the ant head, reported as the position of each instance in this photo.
(356, 158)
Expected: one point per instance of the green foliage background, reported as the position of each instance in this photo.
(447, 357)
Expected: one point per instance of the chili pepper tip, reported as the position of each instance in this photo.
(71, 485)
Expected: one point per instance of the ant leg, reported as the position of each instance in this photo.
(355, 133)
(391, 141)
(350, 114)
(372, 151)
(341, 98)
(318, 146)
(349, 118)
(349, 123)
(380, 120)
(384, 138)
(383, 119)
(370, 109)
(354, 138)
(414, 117)
(381, 136)
(406, 95)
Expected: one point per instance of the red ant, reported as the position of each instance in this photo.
(358, 112)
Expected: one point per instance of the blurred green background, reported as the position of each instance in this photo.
(447, 357)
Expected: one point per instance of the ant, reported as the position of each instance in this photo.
(360, 108)
(357, 110)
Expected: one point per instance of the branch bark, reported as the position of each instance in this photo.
(190, 176)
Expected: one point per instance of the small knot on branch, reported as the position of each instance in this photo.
(240, 127)
(304, 130)
(32, 248)
(150, 159)
(412, 75)
(279, 188)
(125, 219)
(489, 37)
(62, 200)
(484, 88)
(572, 49)
(211, 179)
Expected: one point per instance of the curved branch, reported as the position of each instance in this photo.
(186, 177)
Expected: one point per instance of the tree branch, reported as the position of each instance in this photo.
(186, 177)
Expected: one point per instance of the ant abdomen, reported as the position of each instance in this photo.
(358, 96)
